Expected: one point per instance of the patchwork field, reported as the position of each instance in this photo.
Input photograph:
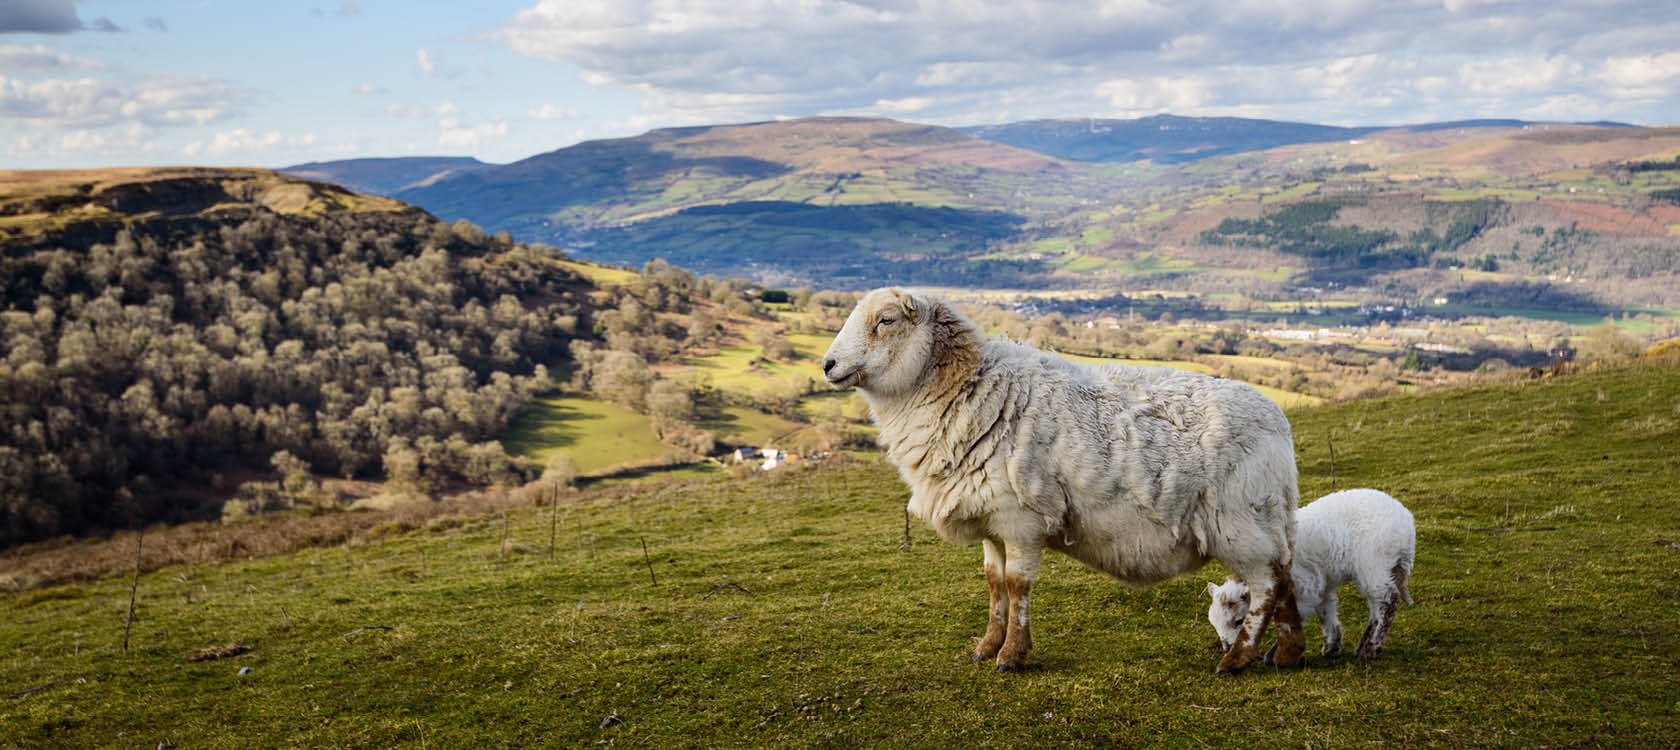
(783, 610)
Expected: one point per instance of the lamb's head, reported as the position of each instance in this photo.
(886, 344)
(1229, 607)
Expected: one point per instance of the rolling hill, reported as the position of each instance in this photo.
(172, 332)
(1121, 205)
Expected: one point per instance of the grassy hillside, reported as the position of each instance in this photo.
(785, 611)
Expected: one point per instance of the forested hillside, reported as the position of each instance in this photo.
(167, 331)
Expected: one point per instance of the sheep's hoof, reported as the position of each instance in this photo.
(1271, 656)
(1005, 668)
(977, 658)
(1223, 672)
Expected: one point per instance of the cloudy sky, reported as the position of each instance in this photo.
(129, 82)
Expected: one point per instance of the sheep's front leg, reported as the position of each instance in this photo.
(997, 622)
(1271, 593)
(1021, 567)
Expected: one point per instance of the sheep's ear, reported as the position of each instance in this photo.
(908, 303)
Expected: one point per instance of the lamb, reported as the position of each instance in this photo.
(1361, 535)
(1142, 473)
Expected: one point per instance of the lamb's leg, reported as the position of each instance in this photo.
(1376, 632)
(997, 624)
(1329, 616)
(1021, 567)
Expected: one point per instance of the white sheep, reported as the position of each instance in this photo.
(1364, 536)
(1143, 473)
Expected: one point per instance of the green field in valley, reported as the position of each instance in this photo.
(782, 610)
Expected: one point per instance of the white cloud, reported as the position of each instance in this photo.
(423, 59)
(159, 101)
(1515, 74)
(445, 107)
(903, 106)
(552, 112)
(367, 89)
(452, 133)
(1642, 76)
(1135, 96)
(959, 60)
(127, 140)
(16, 58)
(247, 141)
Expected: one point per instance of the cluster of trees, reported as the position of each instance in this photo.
(1308, 229)
(351, 343)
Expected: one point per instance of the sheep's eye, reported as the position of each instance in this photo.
(885, 322)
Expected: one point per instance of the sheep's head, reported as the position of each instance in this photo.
(1226, 612)
(885, 345)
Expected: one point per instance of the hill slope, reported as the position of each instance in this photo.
(169, 330)
(782, 610)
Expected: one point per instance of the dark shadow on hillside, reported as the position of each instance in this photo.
(547, 424)
(1528, 295)
(513, 195)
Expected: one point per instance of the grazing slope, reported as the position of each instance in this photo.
(785, 612)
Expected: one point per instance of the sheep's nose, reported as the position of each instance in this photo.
(828, 364)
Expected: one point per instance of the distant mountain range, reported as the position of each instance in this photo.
(387, 176)
(854, 202)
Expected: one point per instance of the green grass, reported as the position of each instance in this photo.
(1551, 624)
(596, 434)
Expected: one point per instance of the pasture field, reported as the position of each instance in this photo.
(596, 434)
(781, 609)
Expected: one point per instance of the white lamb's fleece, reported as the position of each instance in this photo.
(1143, 473)
(1364, 536)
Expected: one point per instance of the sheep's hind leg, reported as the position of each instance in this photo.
(997, 621)
(1291, 634)
(1021, 567)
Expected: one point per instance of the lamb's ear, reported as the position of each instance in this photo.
(1212, 589)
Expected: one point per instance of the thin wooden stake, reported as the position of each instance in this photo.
(286, 617)
(553, 518)
(1330, 439)
(133, 588)
(649, 562)
(504, 531)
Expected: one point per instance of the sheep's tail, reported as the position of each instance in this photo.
(1400, 575)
